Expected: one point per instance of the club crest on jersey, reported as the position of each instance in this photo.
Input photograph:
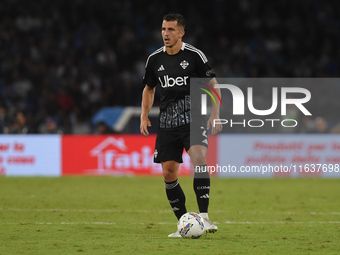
(184, 64)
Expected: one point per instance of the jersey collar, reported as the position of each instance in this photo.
(182, 48)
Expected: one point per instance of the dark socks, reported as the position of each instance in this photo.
(202, 187)
(176, 198)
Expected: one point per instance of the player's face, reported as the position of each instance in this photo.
(171, 33)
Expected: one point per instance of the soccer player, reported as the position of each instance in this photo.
(171, 66)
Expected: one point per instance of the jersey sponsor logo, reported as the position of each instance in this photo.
(184, 64)
(170, 82)
(161, 68)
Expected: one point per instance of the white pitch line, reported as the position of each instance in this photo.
(270, 212)
(171, 223)
(57, 223)
(83, 223)
(84, 210)
(325, 213)
(280, 222)
(150, 211)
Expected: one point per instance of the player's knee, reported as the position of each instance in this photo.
(198, 158)
(169, 176)
(198, 155)
(170, 172)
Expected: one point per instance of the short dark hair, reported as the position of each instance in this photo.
(175, 17)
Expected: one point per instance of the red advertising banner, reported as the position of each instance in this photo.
(116, 155)
(108, 155)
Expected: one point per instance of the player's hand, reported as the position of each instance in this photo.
(214, 129)
(144, 124)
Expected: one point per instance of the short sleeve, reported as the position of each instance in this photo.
(149, 78)
(204, 70)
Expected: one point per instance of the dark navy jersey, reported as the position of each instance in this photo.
(172, 73)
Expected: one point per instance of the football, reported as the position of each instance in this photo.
(191, 225)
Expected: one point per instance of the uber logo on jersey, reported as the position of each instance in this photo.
(170, 82)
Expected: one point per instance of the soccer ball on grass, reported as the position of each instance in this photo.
(190, 225)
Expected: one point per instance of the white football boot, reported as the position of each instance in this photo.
(176, 234)
(209, 227)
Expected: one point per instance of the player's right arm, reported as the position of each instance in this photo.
(148, 97)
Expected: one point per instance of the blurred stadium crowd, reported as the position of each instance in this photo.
(61, 61)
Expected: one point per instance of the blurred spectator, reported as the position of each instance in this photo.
(50, 126)
(3, 120)
(307, 125)
(336, 129)
(103, 128)
(21, 124)
(68, 59)
(321, 125)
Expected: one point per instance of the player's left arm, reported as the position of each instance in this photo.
(215, 112)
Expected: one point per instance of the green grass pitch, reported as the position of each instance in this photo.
(131, 215)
